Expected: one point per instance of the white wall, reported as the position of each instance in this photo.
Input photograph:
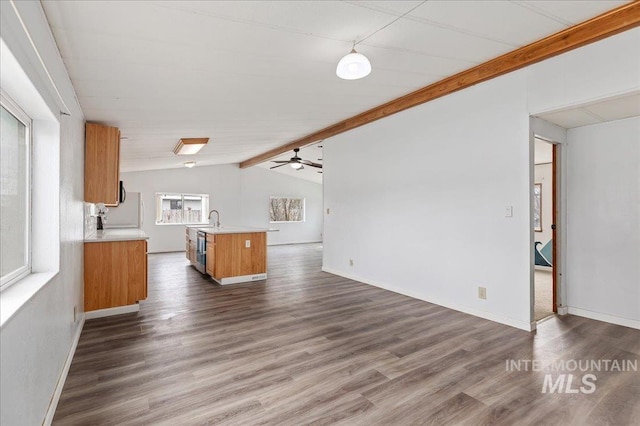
(241, 197)
(423, 210)
(258, 184)
(37, 339)
(603, 220)
(544, 174)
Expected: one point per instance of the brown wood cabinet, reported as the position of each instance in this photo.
(102, 164)
(233, 258)
(115, 274)
(211, 255)
(191, 236)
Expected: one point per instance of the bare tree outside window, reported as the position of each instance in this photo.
(282, 209)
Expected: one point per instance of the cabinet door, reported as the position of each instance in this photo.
(227, 256)
(115, 274)
(186, 243)
(211, 255)
(192, 252)
(102, 164)
(146, 270)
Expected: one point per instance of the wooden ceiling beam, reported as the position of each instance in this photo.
(615, 21)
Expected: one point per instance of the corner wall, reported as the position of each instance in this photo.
(423, 210)
(37, 340)
(603, 221)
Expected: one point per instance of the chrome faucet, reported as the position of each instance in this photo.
(217, 217)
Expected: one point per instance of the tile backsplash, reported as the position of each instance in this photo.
(90, 219)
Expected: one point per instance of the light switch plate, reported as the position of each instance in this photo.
(508, 211)
(247, 243)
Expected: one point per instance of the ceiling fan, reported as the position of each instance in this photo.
(296, 162)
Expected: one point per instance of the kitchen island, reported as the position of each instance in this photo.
(228, 254)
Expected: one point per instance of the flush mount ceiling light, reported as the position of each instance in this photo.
(190, 146)
(353, 66)
(190, 164)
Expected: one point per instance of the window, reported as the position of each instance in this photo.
(181, 208)
(282, 209)
(15, 193)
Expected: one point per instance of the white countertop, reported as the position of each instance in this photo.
(116, 234)
(231, 229)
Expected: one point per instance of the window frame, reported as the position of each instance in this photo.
(304, 210)
(182, 196)
(14, 109)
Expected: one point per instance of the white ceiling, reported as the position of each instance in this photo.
(255, 75)
(597, 112)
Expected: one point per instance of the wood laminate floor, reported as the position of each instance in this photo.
(310, 347)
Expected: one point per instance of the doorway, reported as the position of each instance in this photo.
(545, 209)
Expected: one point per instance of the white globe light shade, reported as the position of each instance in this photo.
(353, 66)
(296, 166)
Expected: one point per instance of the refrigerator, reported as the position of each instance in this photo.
(129, 214)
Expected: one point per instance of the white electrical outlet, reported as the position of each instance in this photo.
(247, 243)
(350, 262)
(482, 292)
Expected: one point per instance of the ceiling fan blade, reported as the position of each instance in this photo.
(279, 165)
(280, 161)
(311, 163)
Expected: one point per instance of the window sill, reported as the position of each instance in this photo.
(15, 297)
(182, 224)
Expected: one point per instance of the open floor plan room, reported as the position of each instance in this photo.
(306, 346)
(269, 212)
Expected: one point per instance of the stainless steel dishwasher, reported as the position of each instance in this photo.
(201, 252)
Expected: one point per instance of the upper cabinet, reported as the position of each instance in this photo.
(102, 164)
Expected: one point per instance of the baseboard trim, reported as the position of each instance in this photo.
(100, 313)
(51, 411)
(241, 279)
(522, 325)
(295, 242)
(604, 317)
(563, 310)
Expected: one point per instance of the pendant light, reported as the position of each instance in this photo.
(353, 66)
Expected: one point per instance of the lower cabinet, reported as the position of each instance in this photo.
(115, 274)
(190, 244)
(240, 254)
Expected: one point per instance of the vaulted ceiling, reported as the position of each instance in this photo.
(252, 76)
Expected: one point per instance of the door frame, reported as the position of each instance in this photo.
(556, 135)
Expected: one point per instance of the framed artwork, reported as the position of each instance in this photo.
(537, 207)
